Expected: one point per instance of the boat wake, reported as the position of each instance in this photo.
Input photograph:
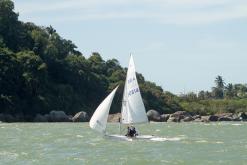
(143, 137)
(237, 124)
(162, 139)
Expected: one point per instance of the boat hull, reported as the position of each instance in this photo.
(126, 138)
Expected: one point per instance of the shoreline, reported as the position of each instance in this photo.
(153, 116)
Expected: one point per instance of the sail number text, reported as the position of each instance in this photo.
(133, 91)
(131, 80)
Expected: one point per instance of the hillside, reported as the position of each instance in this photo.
(40, 71)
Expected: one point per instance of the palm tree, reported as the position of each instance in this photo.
(218, 91)
(219, 82)
(50, 30)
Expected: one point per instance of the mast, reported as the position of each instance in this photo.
(124, 99)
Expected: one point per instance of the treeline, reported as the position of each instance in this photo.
(222, 98)
(220, 91)
(40, 71)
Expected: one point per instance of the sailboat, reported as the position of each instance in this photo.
(132, 111)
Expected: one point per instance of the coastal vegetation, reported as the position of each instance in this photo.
(222, 98)
(40, 71)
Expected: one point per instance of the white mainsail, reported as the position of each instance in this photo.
(133, 110)
(99, 119)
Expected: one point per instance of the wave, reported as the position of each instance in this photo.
(79, 136)
(237, 124)
(162, 139)
(201, 141)
(10, 155)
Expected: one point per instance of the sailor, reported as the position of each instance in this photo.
(134, 131)
(128, 131)
(131, 132)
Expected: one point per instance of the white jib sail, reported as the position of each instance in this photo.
(99, 119)
(133, 110)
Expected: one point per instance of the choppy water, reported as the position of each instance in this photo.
(76, 143)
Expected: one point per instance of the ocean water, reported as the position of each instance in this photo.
(75, 143)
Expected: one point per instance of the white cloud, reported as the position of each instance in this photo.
(185, 12)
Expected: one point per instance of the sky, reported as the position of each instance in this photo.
(181, 45)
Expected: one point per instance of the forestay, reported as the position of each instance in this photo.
(133, 110)
(99, 119)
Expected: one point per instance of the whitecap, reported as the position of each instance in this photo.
(161, 139)
(130, 139)
(79, 136)
(24, 153)
(202, 141)
(79, 159)
(10, 155)
(219, 142)
(93, 144)
(166, 161)
(237, 124)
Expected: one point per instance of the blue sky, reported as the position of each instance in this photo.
(181, 45)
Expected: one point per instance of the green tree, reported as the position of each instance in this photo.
(229, 91)
(218, 91)
(207, 95)
(50, 30)
(97, 64)
(8, 24)
(201, 95)
(220, 84)
(2, 45)
(112, 65)
(12, 31)
(240, 90)
(34, 77)
(10, 82)
(40, 39)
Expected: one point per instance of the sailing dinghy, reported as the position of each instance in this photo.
(132, 111)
